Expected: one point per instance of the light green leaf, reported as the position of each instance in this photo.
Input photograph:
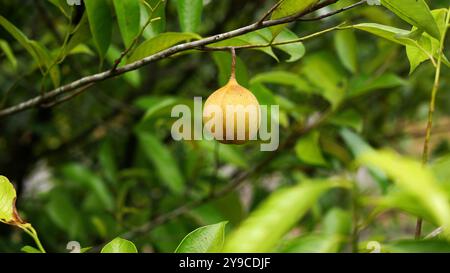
(287, 8)
(359, 146)
(386, 32)
(266, 225)
(159, 43)
(158, 26)
(100, 23)
(412, 178)
(347, 49)
(160, 103)
(164, 162)
(295, 50)
(416, 13)
(326, 75)
(128, 16)
(30, 249)
(308, 149)
(189, 14)
(119, 245)
(313, 243)
(205, 239)
(416, 54)
(9, 53)
(36, 50)
(7, 200)
(417, 246)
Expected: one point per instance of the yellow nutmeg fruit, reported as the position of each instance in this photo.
(232, 114)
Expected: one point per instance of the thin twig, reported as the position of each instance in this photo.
(269, 12)
(136, 38)
(362, 2)
(67, 97)
(301, 39)
(95, 78)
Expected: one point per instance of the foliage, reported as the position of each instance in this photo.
(364, 146)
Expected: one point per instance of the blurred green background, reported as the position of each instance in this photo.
(104, 163)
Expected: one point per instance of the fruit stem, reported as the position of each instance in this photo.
(233, 63)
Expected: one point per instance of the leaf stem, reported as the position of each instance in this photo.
(426, 144)
(233, 63)
(29, 229)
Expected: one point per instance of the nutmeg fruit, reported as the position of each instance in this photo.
(236, 109)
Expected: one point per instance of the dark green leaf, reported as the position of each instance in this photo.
(100, 22)
(189, 14)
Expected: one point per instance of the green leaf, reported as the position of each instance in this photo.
(337, 222)
(7, 200)
(363, 84)
(348, 118)
(386, 32)
(308, 149)
(159, 43)
(295, 50)
(79, 35)
(418, 246)
(347, 49)
(119, 245)
(30, 249)
(62, 6)
(283, 78)
(163, 161)
(266, 225)
(63, 213)
(159, 104)
(205, 239)
(287, 8)
(358, 146)
(100, 23)
(416, 55)
(158, 26)
(415, 180)
(9, 53)
(313, 243)
(128, 16)
(189, 14)
(326, 75)
(85, 177)
(416, 13)
(441, 169)
(36, 50)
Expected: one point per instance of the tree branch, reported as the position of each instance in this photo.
(95, 78)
